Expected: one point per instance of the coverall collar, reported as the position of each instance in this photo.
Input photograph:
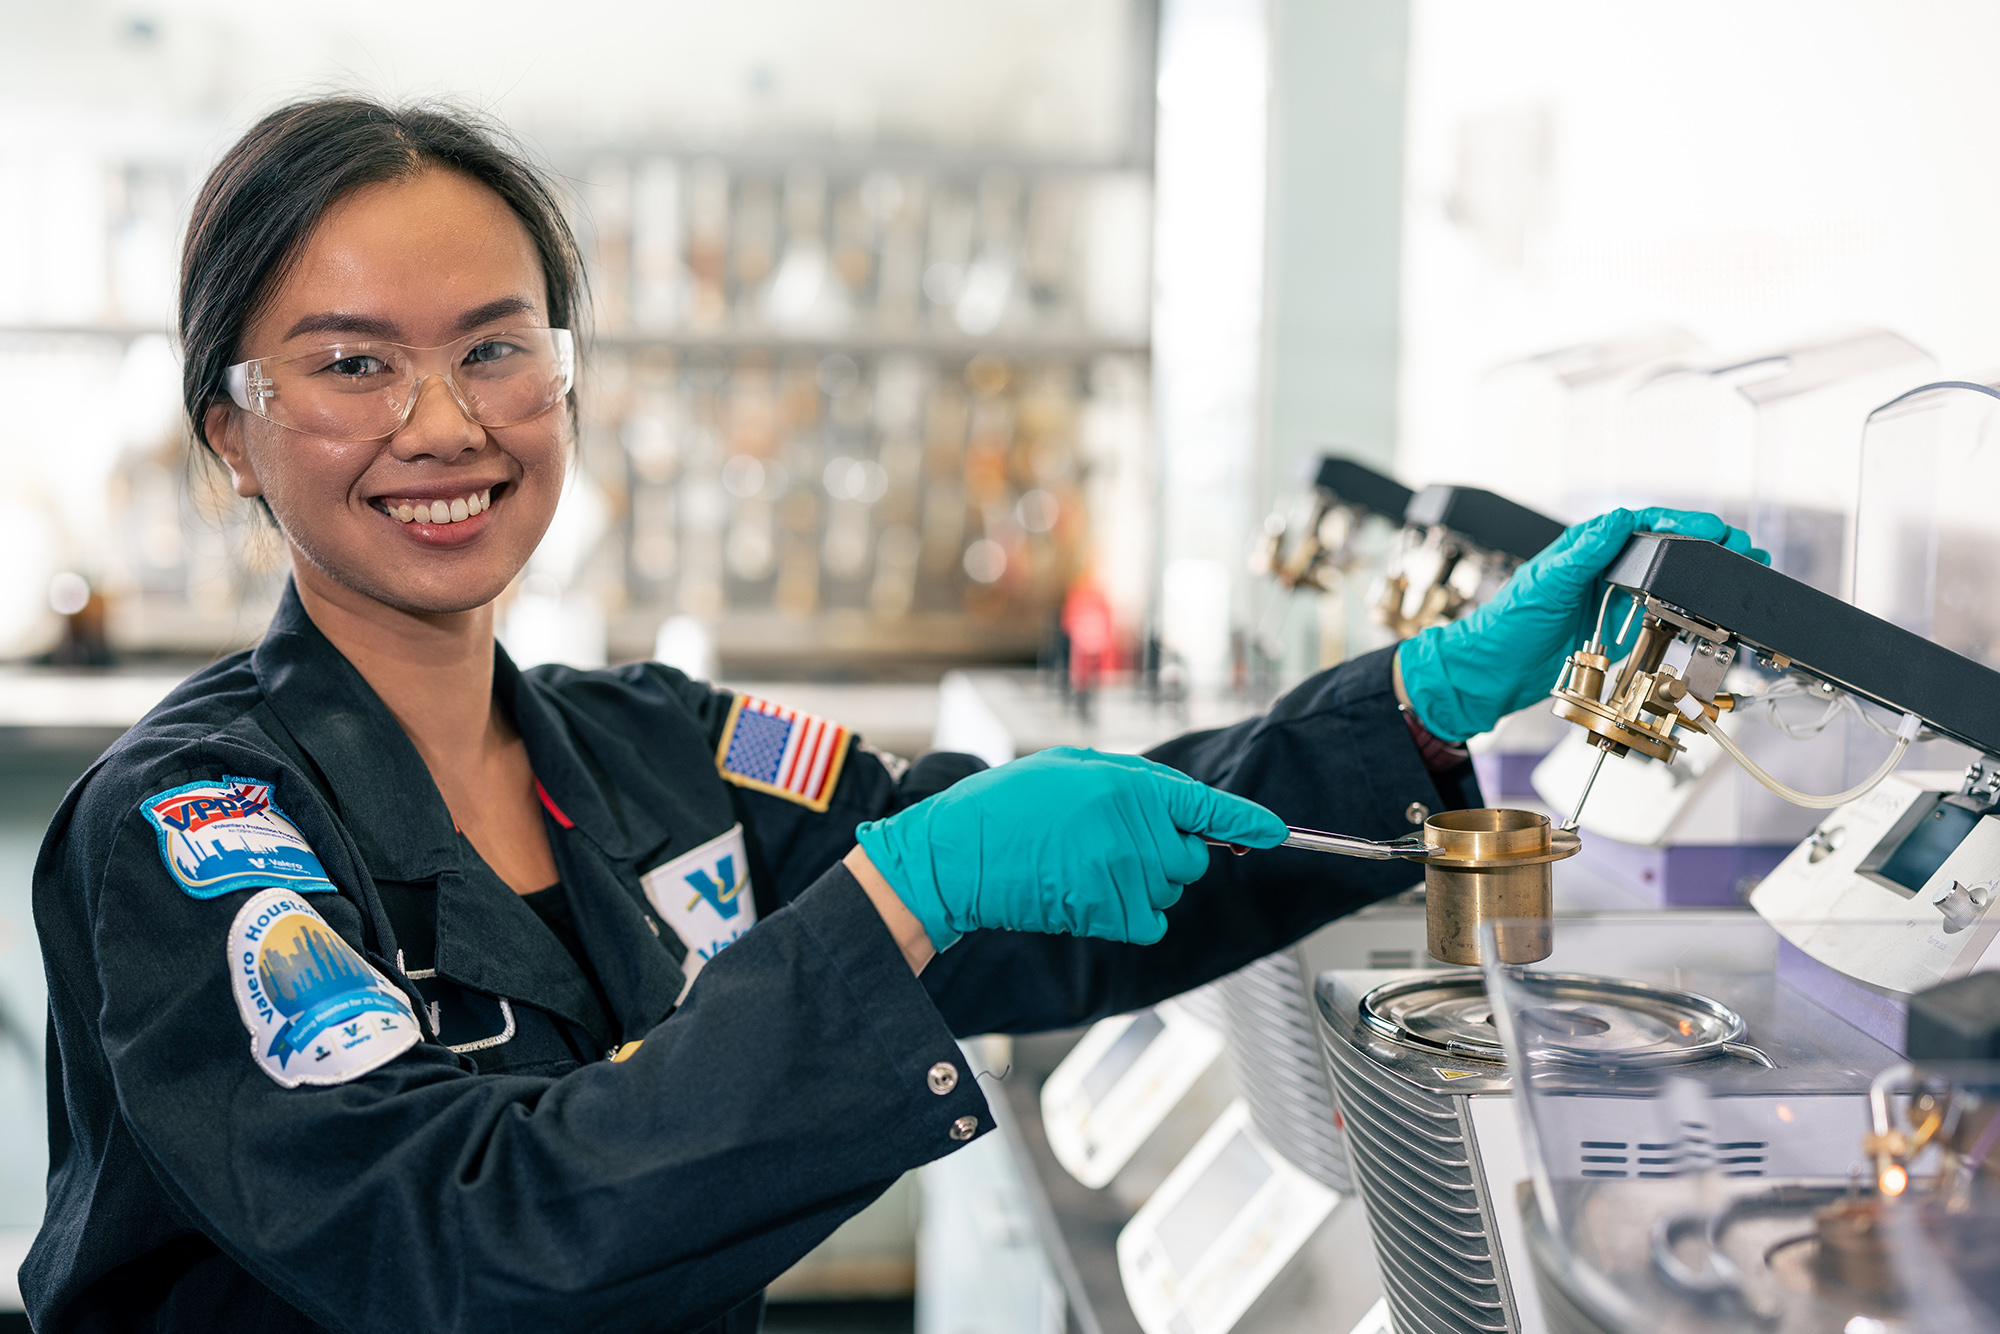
(383, 789)
(565, 770)
(486, 937)
(380, 785)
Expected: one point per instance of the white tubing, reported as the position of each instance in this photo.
(1904, 735)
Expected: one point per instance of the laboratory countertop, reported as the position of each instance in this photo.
(48, 697)
(998, 715)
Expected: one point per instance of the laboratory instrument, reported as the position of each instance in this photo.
(1432, 1120)
(1725, 1197)
(1209, 1242)
(1457, 546)
(1313, 540)
(1770, 441)
(1699, 608)
(1800, 1004)
(1107, 1106)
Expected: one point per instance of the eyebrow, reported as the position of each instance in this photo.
(340, 321)
(370, 326)
(496, 309)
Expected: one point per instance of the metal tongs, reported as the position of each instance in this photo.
(1411, 846)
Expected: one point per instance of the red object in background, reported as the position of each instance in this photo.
(1093, 647)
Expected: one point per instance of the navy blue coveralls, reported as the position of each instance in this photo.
(528, 1182)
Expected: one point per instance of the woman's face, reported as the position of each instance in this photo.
(421, 262)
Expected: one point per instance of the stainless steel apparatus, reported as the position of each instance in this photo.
(1790, 1199)
(1406, 1112)
(1431, 1121)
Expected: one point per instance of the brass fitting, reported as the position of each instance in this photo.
(1491, 865)
(1646, 702)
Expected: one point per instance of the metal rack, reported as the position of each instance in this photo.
(848, 409)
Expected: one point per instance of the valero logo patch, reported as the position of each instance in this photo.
(217, 837)
(704, 895)
(317, 1012)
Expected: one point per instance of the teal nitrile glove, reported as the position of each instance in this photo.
(1066, 841)
(1464, 677)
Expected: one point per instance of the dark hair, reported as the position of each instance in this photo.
(259, 205)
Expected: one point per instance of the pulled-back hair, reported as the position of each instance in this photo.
(259, 205)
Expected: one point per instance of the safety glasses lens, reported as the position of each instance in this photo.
(363, 390)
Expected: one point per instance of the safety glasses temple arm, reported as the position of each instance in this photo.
(237, 380)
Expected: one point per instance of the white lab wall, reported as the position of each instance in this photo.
(1755, 173)
(1332, 285)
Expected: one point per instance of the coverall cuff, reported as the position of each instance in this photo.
(837, 913)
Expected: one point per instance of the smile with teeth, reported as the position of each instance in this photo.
(456, 510)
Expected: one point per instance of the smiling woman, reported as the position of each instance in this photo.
(350, 424)
(406, 347)
(394, 986)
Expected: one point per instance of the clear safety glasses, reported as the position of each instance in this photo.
(365, 389)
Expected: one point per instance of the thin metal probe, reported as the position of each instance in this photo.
(1583, 796)
(1345, 845)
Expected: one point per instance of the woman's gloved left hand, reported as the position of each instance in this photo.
(1463, 678)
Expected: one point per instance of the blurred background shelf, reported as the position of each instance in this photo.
(948, 343)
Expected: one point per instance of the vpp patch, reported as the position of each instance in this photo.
(704, 895)
(317, 1012)
(217, 837)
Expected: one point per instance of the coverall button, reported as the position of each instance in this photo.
(962, 1128)
(1416, 812)
(943, 1078)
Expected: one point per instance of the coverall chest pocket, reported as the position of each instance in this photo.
(496, 1031)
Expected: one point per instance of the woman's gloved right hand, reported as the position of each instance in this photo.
(1463, 678)
(1066, 841)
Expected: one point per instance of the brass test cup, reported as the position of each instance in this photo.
(1491, 865)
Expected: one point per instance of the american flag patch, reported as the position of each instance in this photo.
(770, 748)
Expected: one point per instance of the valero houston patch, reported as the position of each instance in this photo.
(221, 836)
(704, 895)
(770, 748)
(318, 1013)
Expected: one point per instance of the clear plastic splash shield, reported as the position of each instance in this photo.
(1772, 442)
(1710, 1150)
(1564, 406)
(1926, 544)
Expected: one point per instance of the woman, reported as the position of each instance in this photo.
(373, 960)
